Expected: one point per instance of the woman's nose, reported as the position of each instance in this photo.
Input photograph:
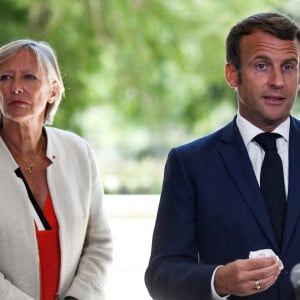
(16, 87)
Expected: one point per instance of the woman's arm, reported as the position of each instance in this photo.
(96, 256)
(8, 291)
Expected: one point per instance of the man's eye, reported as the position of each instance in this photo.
(288, 67)
(5, 77)
(261, 66)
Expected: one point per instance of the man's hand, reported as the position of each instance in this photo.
(247, 276)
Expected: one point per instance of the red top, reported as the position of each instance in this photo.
(49, 254)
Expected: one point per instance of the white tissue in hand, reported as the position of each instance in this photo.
(265, 253)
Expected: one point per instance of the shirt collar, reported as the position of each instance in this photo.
(249, 131)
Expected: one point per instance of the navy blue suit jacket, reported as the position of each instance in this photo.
(211, 212)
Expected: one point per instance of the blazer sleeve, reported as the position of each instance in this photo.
(9, 291)
(91, 274)
(175, 270)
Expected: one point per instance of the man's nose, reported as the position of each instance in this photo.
(276, 80)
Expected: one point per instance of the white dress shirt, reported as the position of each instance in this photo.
(256, 154)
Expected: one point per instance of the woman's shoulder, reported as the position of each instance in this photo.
(65, 140)
(63, 135)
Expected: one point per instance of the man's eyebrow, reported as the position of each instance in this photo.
(262, 57)
(265, 57)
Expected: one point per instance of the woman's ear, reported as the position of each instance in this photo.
(53, 92)
(231, 75)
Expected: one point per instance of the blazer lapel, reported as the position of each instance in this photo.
(293, 201)
(239, 166)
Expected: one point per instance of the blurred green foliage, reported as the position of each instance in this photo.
(141, 76)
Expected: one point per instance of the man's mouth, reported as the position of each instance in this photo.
(274, 98)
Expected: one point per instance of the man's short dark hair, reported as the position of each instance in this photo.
(276, 24)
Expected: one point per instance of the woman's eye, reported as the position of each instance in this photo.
(5, 77)
(30, 76)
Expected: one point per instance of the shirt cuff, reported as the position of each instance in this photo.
(214, 294)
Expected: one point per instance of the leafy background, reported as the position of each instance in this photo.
(141, 76)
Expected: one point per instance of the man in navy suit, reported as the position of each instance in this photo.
(212, 212)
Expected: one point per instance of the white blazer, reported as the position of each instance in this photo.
(84, 235)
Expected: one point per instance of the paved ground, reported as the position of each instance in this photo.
(131, 220)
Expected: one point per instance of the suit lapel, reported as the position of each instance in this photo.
(238, 164)
(293, 201)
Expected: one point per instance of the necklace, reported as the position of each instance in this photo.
(29, 166)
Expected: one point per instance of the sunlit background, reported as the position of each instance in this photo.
(141, 77)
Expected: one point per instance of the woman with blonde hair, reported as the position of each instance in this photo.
(55, 242)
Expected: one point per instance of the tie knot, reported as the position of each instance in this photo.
(267, 140)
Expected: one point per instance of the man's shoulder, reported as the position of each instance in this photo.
(295, 123)
(209, 141)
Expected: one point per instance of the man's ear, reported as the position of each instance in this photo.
(231, 75)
